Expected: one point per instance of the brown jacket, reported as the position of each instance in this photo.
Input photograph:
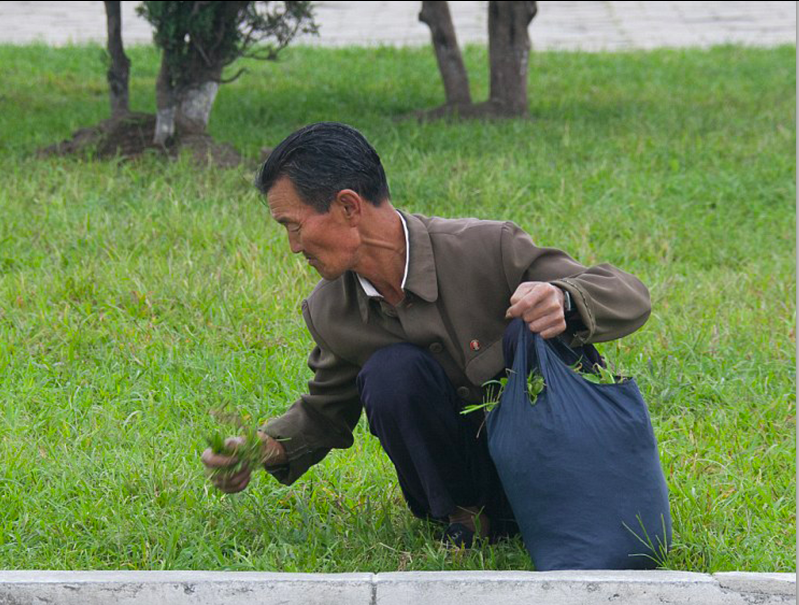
(461, 275)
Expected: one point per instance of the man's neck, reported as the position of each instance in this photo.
(382, 260)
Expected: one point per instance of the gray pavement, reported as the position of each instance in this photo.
(559, 25)
(419, 588)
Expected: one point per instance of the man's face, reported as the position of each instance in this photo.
(324, 239)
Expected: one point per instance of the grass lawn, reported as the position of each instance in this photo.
(135, 297)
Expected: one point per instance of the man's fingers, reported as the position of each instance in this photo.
(235, 489)
(520, 292)
(222, 469)
(546, 319)
(548, 328)
(222, 478)
(529, 300)
(236, 483)
(227, 480)
(533, 307)
(547, 308)
(212, 460)
(232, 444)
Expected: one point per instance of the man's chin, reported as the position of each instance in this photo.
(324, 273)
(329, 276)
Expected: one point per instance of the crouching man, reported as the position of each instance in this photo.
(408, 322)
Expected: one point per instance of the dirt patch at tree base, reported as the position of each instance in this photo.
(131, 135)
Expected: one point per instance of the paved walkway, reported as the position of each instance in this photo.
(559, 25)
(400, 588)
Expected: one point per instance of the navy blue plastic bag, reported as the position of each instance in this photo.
(580, 467)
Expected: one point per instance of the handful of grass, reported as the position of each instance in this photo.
(495, 388)
(249, 453)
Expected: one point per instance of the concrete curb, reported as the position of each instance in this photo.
(418, 588)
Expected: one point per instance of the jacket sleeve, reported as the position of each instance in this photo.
(322, 419)
(610, 302)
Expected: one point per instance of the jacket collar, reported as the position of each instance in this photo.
(421, 280)
(422, 266)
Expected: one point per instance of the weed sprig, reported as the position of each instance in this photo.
(495, 388)
(598, 374)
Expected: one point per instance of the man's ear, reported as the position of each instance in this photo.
(350, 205)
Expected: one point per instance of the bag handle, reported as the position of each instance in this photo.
(541, 357)
(545, 358)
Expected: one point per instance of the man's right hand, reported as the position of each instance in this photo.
(223, 468)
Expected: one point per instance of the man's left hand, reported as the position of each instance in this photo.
(540, 305)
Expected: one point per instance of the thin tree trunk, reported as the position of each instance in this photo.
(509, 53)
(450, 62)
(166, 104)
(119, 70)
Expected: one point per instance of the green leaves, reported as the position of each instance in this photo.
(597, 374)
(495, 388)
(535, 385)
(210, 35)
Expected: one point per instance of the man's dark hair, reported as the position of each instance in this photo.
(322, 159)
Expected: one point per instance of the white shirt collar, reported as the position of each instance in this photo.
(367, 286)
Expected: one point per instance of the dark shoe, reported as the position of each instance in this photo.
(457, 535)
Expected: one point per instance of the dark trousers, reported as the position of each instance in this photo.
(441, 455)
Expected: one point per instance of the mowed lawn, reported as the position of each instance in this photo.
(135, 297)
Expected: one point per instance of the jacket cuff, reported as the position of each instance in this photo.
(300, 456)
(581, 329)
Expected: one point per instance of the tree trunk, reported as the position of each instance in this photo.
(166, 104)
(184, 110)
(450, 62)
(195, 103)
(509, 53)
(119, 70)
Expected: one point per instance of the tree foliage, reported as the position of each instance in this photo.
(198, 37)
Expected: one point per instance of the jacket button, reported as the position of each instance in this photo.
(463, 392)
(436, 347)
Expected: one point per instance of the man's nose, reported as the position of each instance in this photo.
(294, 243)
